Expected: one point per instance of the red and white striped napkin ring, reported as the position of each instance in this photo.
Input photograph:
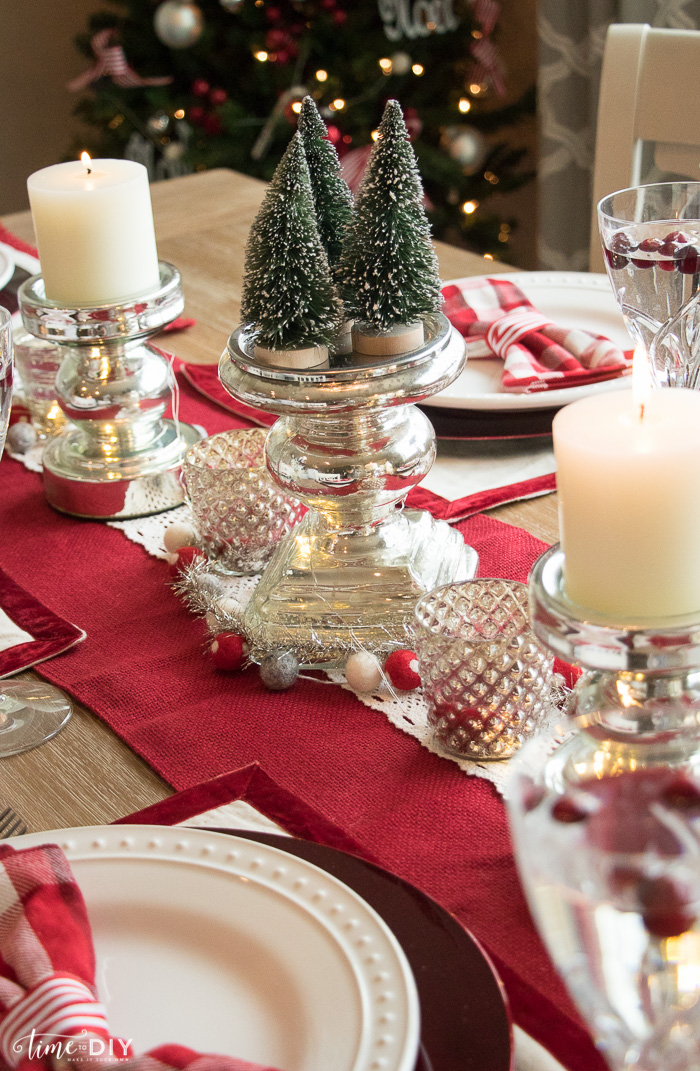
(59, 1007)
(509, 329)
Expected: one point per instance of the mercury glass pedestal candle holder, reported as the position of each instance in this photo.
(120, 458)
(240, 514)
(487, 681)
(350, 444)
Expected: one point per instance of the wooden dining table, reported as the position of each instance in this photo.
(87, 775)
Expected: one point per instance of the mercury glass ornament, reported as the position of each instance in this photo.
(486, 678)
(178, 23)
(240, 514)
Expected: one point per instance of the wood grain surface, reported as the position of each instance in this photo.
(86, 775)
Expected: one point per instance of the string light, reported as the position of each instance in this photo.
(488, 256)
(470, 206)
(418, 69)
(464, 105)
(490, 177)
(477, 35)
(386, 65)
(337, 104)
(321, 76)
(180, 113)
(475, 88)
(115, 122)
(375, 135)
(296, 107)
(262, 56)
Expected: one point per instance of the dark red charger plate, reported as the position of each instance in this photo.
(465, 1023)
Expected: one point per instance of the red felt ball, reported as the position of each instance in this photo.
(228, 651)
(218, 96)
(185, 556)
(334, 134)
(200, 87)
(401, 667)
(196, 114)
(339, 17)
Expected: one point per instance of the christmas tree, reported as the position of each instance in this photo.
(332, 198)
(288, 294)
(389, 270)
(239, 69)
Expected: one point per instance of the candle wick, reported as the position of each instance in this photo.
(89, 170)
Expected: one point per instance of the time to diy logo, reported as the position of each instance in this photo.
(79, 1048)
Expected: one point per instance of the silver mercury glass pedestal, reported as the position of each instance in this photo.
(350, 444)
(637, 703)
(121, 458)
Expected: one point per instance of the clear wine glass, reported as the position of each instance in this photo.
(611, 868)
(651, 244)
(31, 712)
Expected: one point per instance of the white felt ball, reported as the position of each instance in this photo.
(179, 535)
(228, 605)
(363, 672)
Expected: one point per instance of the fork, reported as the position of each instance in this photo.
(11, 824)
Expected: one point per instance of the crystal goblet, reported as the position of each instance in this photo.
(611, 867)
(651, 244)
(31, 712)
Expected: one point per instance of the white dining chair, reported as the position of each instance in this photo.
(648, 109)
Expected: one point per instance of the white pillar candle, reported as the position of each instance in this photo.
(628, 476)
(94, 230)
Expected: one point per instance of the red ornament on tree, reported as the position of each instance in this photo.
(196, 114)
(200, 87)
(339, 17)
(218, 96)
(401, 667)
(273, 14)
(228, 651)
(334, 134)
(212, 124)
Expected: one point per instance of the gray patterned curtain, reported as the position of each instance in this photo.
(571, 40)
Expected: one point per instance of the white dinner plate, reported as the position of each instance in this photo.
(7, 267)
(233, 947)
(572, 299)
(17, 257)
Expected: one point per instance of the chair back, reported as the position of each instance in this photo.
(648, 95)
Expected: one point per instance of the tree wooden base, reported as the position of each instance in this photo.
(343, 341)
(307, 357)
(401, 338)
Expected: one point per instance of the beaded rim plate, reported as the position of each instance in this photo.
(225, 945)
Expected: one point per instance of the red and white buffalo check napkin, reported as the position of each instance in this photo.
(49, 1006)
(496, 319)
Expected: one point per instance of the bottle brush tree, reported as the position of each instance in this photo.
(288, 294)
(332, 198)
(389, 270)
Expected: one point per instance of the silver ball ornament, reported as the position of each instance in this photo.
(400, 63)
(158, 123)
(279, 670)
(232, 6)
(21, 437)
(211, 584)
(466, 145)
(178, 23)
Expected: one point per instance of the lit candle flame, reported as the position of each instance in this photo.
(86, 161)
(642, 385)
